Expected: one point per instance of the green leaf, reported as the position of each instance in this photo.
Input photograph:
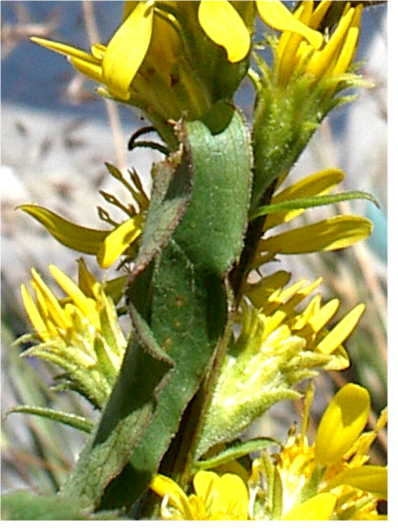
(124, 421)
(25, 505)
(143, 369)
(189, 309)
(311, 202)
(69, 419)
(234, 452)
(213, 228)
(177, 302)
(171, 193)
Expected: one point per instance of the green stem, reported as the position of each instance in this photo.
(203, 398)
(253, 235)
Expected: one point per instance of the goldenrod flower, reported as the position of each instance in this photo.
(79, 333)
(277, 347)
(296, 92)
(216, 497)
(331, 478)
(161, 61)
(328, 480)
(178, 58)
(330, 60)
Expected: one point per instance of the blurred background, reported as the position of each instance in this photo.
(56, 135)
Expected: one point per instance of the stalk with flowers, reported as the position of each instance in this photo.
(216, 339)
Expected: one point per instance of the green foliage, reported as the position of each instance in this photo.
(187, 388)
(25, 505)
(178, 302)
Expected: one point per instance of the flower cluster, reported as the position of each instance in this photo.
(301, 86)
(277, 347)
(181, 64)
(79, 333)
(327, 480)
(175, 58)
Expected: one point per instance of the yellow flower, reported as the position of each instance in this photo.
(332, 476)
(216, 497)
(297, 91)
(161, 61)
(117, 64)
(328, 480)
(333, 58)
(79, 333)
(277, 347)
(174, 58)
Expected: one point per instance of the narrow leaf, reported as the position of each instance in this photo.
(235, 452)
(69, 419)
(311, 202)
(320, 183)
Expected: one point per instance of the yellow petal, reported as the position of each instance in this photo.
(87, 282)
(98, 51)
(88, 68)
(119, 240)
(350, 44)
(128, 8)
(34, 315)
(299, 292)
(206, 483)
(224, 26)
(342, 423)
(370, 478)
(74, 236)
(319, 507)
(89, 65)
(66, 49)
(284, 294)
(322, 61)
(49, 307)
(320, 318)
(291, 46)
(233, 496)
(302, 320)
(164, 486)
(85, 304)
(330, 234)
(260, 292)
(127, 50)
(341, 331)
(319, 12)
(276, 15)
